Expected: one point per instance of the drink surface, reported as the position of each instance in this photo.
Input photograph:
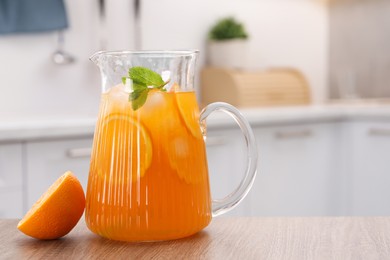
(148, 176)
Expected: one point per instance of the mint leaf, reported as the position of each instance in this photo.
(145, 76)
(139, 86)
(124, 80)
(135, 95)
(143, 80)
(138, 98)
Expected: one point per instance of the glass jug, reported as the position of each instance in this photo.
(148, 176)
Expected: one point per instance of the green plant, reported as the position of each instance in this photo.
(227, 28)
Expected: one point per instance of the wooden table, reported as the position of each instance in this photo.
(225, 238)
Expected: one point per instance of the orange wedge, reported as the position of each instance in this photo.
(57, 211)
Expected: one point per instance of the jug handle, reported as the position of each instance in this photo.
(226, 204)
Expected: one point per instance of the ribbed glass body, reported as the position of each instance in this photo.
(148, 176)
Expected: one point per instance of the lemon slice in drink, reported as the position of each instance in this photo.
(189, 111)
(125, 148)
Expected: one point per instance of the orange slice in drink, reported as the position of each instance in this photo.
(168, 126)
(189, 111)
(188, 157)
(57, 211)
(125, 149)
(174, 88)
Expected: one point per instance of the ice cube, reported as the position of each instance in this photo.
(118, 92)
(154, 101)
(166, 75)
(128, 86)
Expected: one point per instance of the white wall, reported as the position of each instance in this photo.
(31, 85)
(283, 33)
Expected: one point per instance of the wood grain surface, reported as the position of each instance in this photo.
(225, 238)
(272, 87)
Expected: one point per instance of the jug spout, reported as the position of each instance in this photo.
(95, 58)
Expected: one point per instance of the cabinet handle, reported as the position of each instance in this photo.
(379, 132)
(215, 141)
(79, 152)
(293, 134)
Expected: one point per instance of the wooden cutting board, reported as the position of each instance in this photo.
(275, 87)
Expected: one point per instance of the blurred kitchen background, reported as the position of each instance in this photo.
(312, 77)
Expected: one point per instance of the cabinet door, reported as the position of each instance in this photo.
(296, 172)
(369, 169)
(47, 160)
(11, 203)
(11, 181)
(226, 157)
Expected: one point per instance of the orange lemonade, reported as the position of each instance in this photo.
(148, 176)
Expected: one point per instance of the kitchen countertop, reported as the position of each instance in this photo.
(32, 129)
(29, 129)
(224, 238)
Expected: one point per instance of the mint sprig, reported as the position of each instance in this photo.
(143, 80)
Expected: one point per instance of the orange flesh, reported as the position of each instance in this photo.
(148, 176)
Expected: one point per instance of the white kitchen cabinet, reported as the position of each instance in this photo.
(11, 203)
(226, 156)
(297, 169)
(11, 180)
(337, 167)
(297, 173)
(48, 160)
(368, 173)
